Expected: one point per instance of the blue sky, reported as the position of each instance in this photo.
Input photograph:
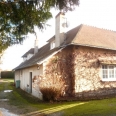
(98, 13)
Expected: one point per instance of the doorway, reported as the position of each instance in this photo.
(30, 83)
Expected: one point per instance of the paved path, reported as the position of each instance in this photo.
(3, 102)
(4, 112)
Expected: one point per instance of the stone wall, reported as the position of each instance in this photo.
(76, 71)
(59, 71)
(88, 77)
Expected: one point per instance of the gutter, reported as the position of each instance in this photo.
(24, 67)
(86, 45)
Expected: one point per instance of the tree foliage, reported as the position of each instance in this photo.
(19, 17)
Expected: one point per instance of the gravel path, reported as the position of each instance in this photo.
(4, 112)
(5, 108)
(9, 110)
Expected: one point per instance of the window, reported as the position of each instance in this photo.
(52, 45)
(109, 72)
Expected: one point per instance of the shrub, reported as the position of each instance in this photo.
(50, 94)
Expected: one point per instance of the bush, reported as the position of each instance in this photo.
(50, 94)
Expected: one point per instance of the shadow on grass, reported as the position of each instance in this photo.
(55, 109)
(106, 107)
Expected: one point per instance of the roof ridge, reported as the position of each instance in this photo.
(98, 27)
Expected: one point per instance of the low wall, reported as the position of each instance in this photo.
(7, 74)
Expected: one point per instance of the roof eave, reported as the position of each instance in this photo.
(101, 47)
(25, 67)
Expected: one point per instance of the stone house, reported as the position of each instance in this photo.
(81, 62)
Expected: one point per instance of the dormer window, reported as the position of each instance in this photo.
(28, 54)
(24, 58)
(52, 45)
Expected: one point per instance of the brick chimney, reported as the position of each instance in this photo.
(59, 29)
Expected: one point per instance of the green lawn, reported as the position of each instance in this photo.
(31, 105)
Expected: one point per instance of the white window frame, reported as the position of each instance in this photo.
(52, 45)
(108, 72)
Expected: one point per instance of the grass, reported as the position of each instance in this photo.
(32, 105)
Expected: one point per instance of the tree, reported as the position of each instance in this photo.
(19, 17)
